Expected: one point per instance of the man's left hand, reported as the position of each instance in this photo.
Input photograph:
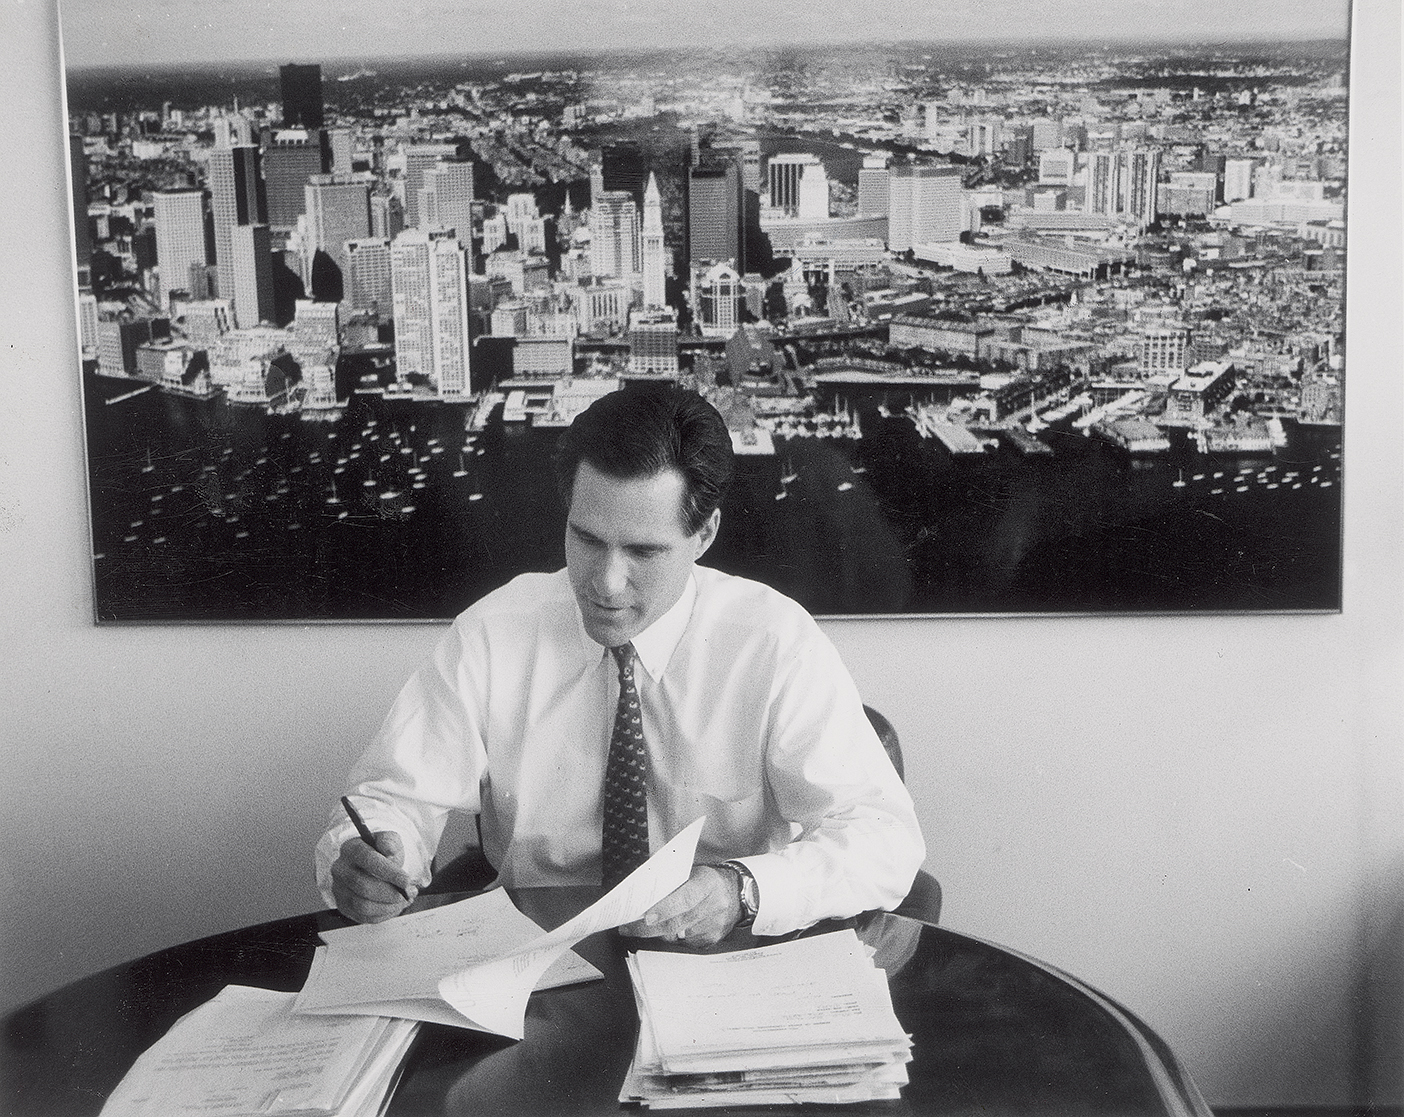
(699, 913)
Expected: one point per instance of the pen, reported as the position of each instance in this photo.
(368, 837)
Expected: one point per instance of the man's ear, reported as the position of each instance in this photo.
(706, 534)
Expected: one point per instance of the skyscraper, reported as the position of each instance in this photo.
(429, 279)
(446, 199)
(714, 212)
(872, 187)
(338, 210)
(180, 237)
(614, 235)
(652, 249)
(252, 258)
(237, 197)
(1122, 183)
(302, 95)
(418, 159)
(924, 205)
(813, 193)
(290, 159)
(367, 276)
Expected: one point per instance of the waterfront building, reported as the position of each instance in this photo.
(314, 343)
(446, 198)
(301, 87)
(338, 210)
(429, 281)
(367, 275)
(179, 217)
(784, 173)
(418, 159)
(652, 251)
(715, 229)
(1193, 395)
(614, 235)
(873, 187)
(206, 321)
(924, 205)
(163, 360)
(117, 339)
(653, 342)
(252, 365)
(252, 260)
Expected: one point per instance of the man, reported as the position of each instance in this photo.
(724, 694)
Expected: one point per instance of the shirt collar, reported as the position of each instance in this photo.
(655, 644)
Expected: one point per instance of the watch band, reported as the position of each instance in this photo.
(747, 891)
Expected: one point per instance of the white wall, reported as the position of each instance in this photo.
(1199, 815)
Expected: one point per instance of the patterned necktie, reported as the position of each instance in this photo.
(624, 845)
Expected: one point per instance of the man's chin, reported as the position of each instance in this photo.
(611, 631)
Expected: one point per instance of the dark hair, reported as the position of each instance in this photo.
(637, 432)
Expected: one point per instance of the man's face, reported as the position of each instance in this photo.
(628, 551)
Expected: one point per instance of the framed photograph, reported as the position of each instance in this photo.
(1036, 313)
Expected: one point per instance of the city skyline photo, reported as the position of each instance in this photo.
(1042, 314)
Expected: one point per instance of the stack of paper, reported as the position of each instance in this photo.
(803, 1021)
(245, 1054)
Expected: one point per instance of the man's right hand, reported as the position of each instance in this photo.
(369, 886)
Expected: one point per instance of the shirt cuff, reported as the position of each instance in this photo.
(780, 900)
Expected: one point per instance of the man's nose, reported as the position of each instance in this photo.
(613, 574)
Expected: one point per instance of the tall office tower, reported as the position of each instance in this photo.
(872, 187)
(290, 159)
(1238, 179)
(924, 205)
(367, 278)
(338, 210)
(180, 236)
(339, 149)
(620, 166)
(784, 174)
(82, 238)
(302, 95)
(982, 137)
(418, 159)
(429, 282)
(715, 231)
(750, 165)
(520, 209)
(652, 249)
(614, 235)
(494, 233)
(387, 216)
(252, 290)
(813, 193)
(237, 197)
(87, 320)
(446, 200)
(653, 342)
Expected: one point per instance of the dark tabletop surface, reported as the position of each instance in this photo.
(993, 1032)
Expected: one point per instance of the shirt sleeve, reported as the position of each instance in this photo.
(857, 844)
(427, 759)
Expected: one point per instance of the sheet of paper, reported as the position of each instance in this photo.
(245, 1052)
(475, 963)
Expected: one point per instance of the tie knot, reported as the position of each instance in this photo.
(624, 656)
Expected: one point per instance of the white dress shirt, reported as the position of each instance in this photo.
(750, 719)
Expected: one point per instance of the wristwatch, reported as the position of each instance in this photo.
(747, 891)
